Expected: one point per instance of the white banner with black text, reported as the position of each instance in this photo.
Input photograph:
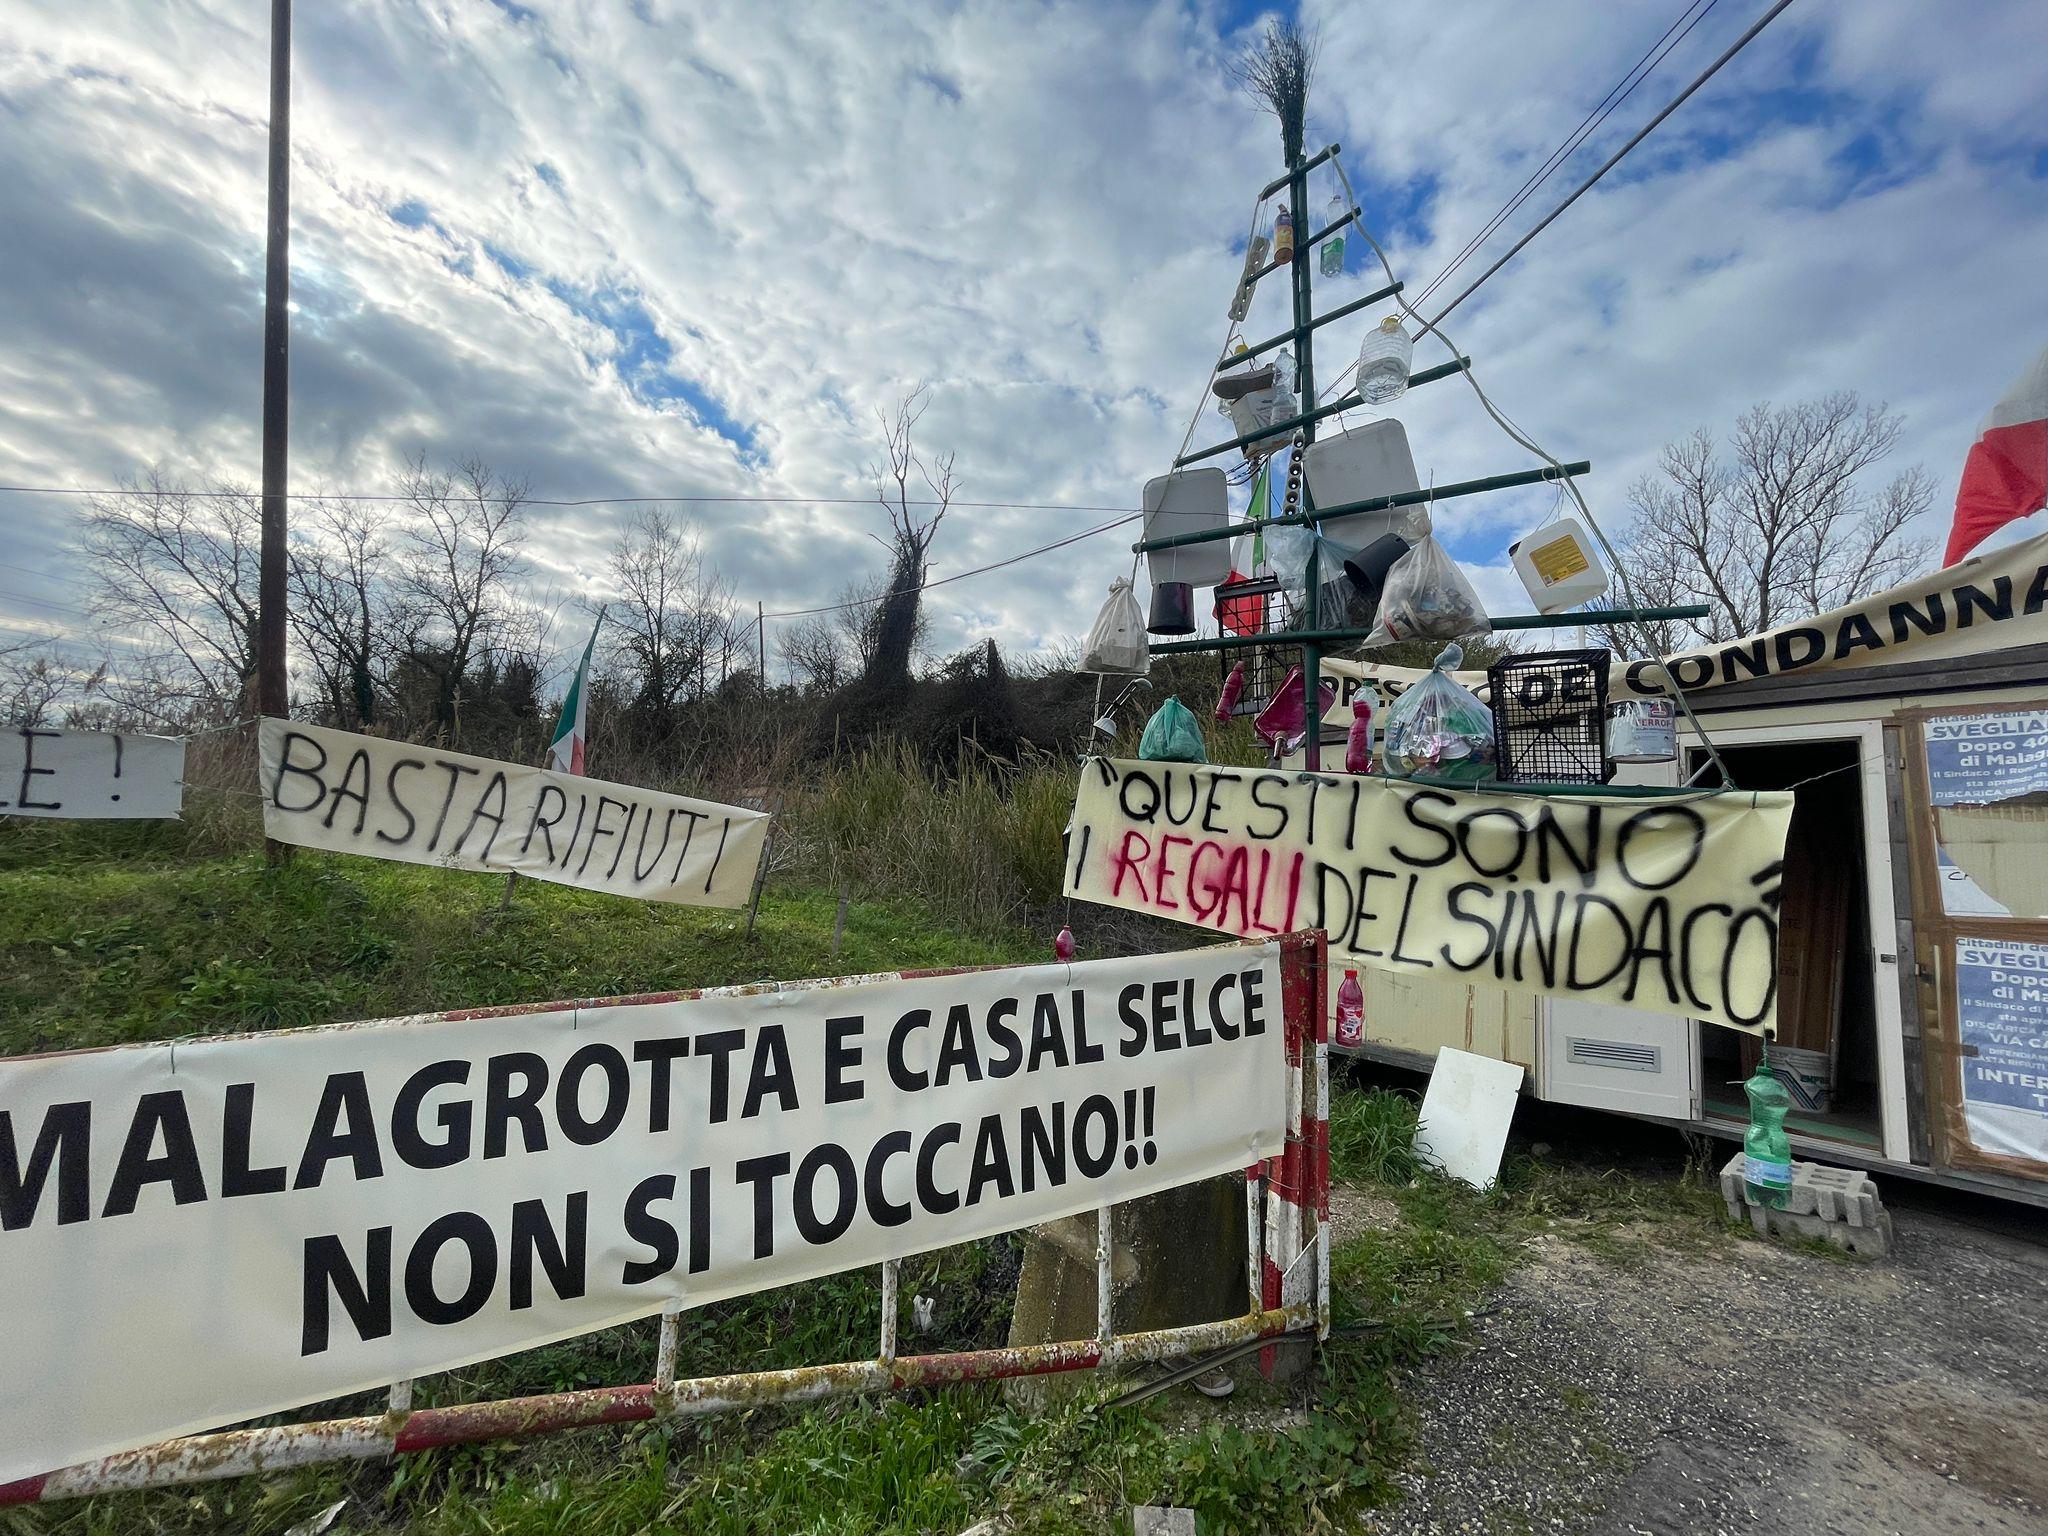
(200, 1233)
(419, 805)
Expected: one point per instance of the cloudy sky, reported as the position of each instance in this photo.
(688, 248)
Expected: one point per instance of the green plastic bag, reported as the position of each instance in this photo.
(1172, 736)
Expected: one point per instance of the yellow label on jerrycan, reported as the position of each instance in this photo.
(1558, 565)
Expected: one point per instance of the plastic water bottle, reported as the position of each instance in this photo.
(1283, 236)
(1384, 363)
(1350, 1011)
(1767, 1170)
(1333, 248)
(1358, 741)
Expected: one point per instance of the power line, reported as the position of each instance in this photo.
(1555, 160)
(979, 570)
(1641, 134)
(614, 501)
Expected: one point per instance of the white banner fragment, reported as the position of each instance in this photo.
(90, 775)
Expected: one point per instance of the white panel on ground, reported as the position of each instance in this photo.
(1465, 1115)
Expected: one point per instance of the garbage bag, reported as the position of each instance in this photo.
(1438, 727)
(1426, 597)
(1172, 735)
(1116, 643)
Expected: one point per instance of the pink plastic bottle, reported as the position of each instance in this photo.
(1233, 690)
(1350, 1011)
(1358, 742)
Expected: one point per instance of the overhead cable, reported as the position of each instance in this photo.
(1641, 134)
(1590, 124)
(604, 501)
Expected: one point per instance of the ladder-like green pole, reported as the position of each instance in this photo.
(1302, 287)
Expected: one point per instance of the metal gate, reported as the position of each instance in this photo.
(1287, 1207)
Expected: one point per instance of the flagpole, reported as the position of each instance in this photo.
(576, 699)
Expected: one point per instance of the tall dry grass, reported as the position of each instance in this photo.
(981, 844)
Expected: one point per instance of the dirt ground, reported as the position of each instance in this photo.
(1739, 1386)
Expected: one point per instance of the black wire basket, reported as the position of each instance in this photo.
(1550, 717)
(1256, 606)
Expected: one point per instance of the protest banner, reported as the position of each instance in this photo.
(1990, 602)
(90, 775)
(1664, 902)
(418, 805)
(198, 1233)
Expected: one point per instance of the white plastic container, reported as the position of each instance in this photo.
(1559, 566)
(1368, 461)
(1384, 363)
(1190, 501)
(1642, 731)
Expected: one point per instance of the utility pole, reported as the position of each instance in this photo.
(761, 641)
(272, 690)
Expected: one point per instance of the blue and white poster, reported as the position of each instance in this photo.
(1983, 759)
(2002, 1022)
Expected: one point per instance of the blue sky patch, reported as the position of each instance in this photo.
(643, 359)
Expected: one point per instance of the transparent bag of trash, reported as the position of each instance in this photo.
(1116, 642)
(1172, 735)
(1438, 727)
(1427, 597)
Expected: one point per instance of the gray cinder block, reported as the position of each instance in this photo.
(1832, 1205)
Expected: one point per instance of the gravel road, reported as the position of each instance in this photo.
(1745, 1386)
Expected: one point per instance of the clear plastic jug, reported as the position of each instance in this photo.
(1384, 363)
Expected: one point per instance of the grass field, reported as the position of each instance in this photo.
(118, 934)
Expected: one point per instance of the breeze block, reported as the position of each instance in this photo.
(1832, 1205)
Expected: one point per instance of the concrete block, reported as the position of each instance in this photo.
(1162, 1520)
(1832, 1205)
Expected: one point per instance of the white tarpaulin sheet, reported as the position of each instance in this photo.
(196, 1235)
(90, 775)
(419, 805)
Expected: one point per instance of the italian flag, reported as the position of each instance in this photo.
(565, 752)
(1247, 615)
(2006, 474)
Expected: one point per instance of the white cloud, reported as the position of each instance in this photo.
(1034, 208)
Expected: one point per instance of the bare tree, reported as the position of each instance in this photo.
(1783, 526)
(339, 578)
(913, 525)
(459, 561)
(813, 652)
(676, 628)
(178, 568)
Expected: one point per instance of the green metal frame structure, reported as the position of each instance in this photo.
(1311, 637)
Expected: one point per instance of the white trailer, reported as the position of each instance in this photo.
(1913, 969)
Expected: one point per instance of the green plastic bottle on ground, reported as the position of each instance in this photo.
(1767, 1170)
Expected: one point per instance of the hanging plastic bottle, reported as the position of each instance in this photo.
(1254, 258)
(1384, 363)
(1358, 740)
(1333, 248)
(1350, 1011)
(1285, 381)
(1233, 690)
(1283, 235)
(1767, 1170)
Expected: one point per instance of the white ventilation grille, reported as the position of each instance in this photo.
(1625, 1055)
